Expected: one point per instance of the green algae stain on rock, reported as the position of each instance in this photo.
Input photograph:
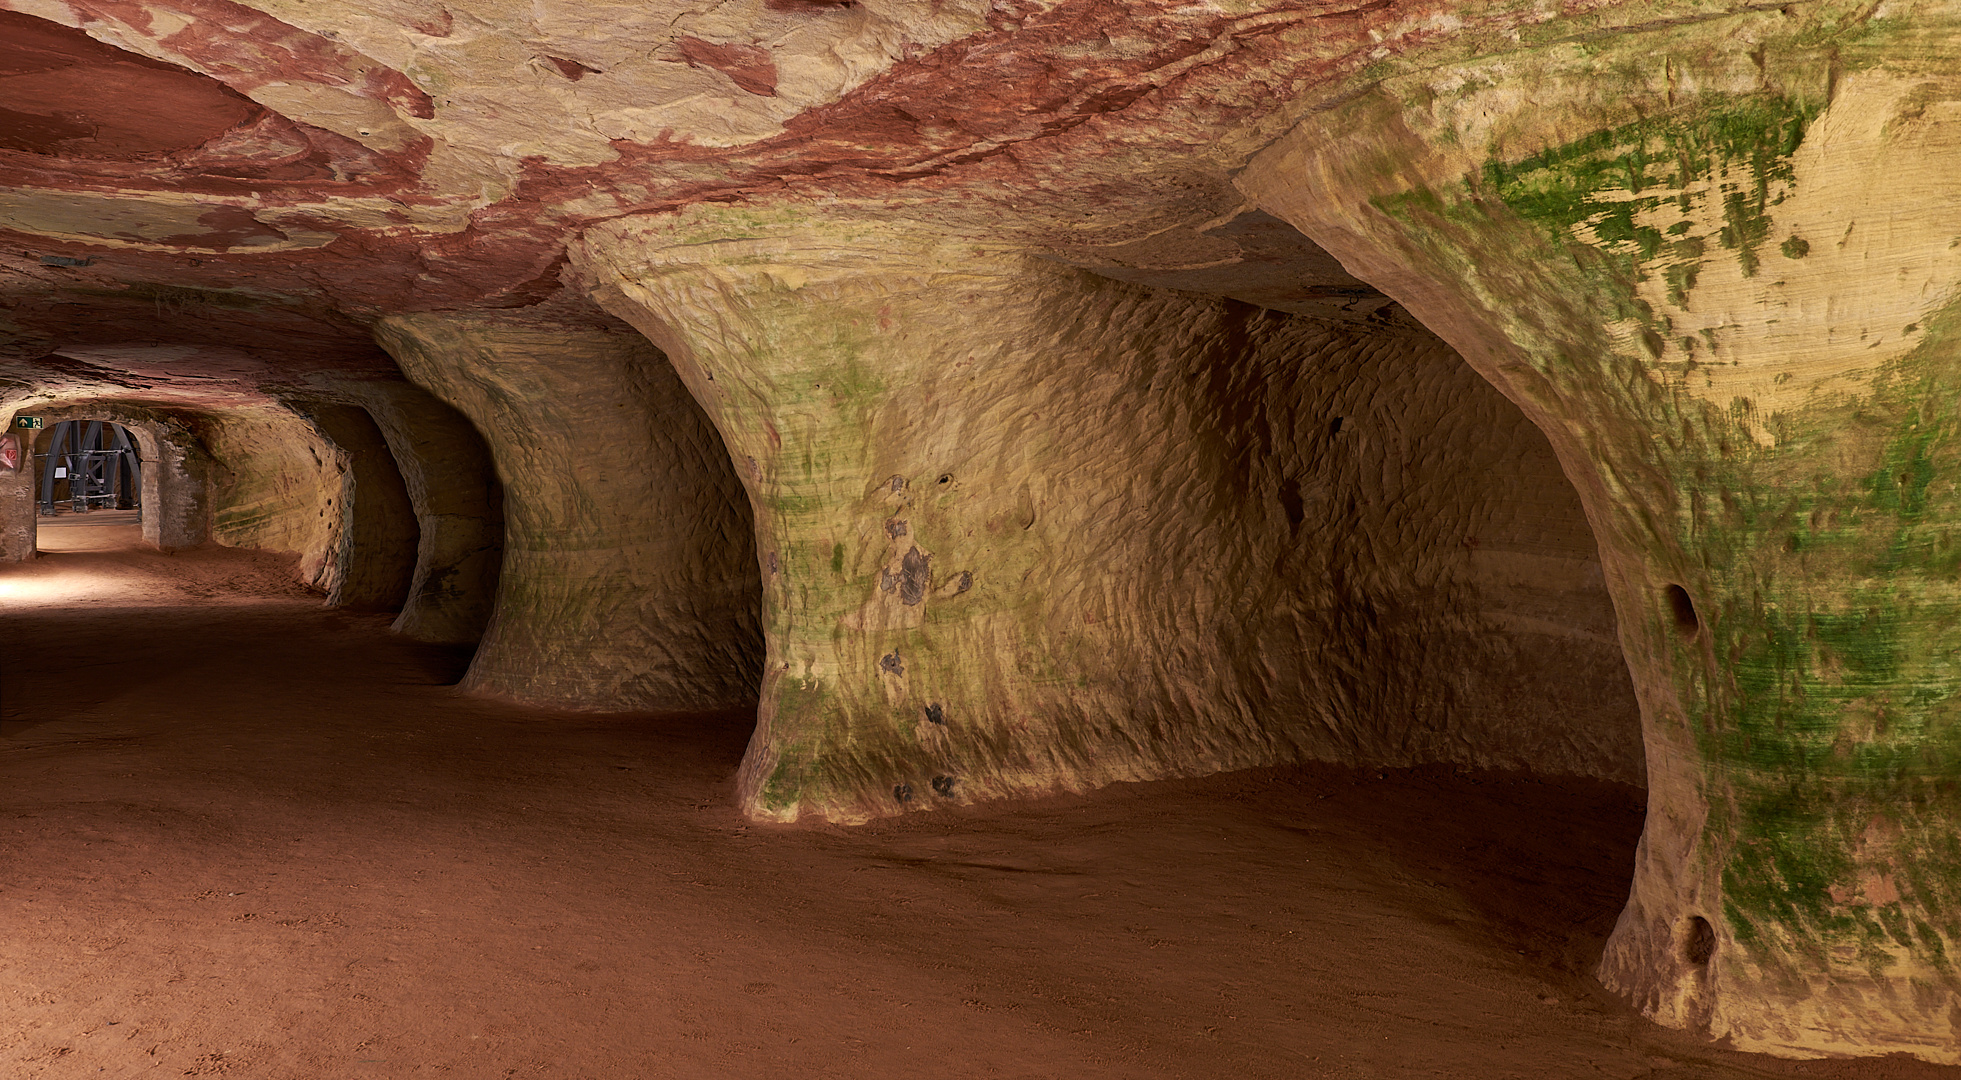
(1837, 700)
(1606, 189)
(1824, 689)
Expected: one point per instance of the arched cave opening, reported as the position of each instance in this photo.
(87, 465)
(1434, 590)
(88, 486)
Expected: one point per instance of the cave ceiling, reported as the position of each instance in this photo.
(207, 179)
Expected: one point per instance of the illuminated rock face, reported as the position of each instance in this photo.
(1722, 284)
(1022, 528)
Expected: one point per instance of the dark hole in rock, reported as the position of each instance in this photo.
(895, 528)
(936, 713)
(891, 662)
(943, 785)
(946, 478)
(902, 792)
(1683, 608)
(1291, 501)
(1699, 944)
(1334, 427)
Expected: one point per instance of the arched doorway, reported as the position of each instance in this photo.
(89, 465)
(88, 487)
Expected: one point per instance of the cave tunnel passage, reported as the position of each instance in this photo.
(271, 836)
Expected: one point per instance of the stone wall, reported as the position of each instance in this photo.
(280, 485)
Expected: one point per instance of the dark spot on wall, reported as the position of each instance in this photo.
(943, 786)
(1334, 427)
(966, 582)
(902, 792)
(895, 528)
(936, 713)
(891, 662)
(1291, 502)
(915, 574)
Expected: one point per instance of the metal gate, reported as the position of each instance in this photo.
(97, 465)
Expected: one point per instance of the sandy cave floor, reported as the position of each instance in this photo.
(243, 835)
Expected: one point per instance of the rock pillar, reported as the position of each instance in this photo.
(450, 480)
(628, 579)
(176, 486)
(1716, 264)
(378, 534)
(1022, 528)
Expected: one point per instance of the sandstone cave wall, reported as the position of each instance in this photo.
(280, 485)
(1434, 592)
(1734, 313)
(378, 536)
(1024, 528)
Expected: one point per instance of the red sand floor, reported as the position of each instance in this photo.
(241, 835)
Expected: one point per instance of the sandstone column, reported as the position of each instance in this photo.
(451, 482)
(278, 484)
(1716, 263)
(1012, 533)
(378, 535)
(628, 579)
(176, 486)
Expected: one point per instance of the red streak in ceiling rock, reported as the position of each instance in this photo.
(270, 148)
(571, 69)
(1000, 92)
(40, 134)
(749, 66)
(246, 49)
(71, 95)
(1049, 105)
(80, 112)
(230, 227)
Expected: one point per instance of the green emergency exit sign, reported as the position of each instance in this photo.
(27, 421)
